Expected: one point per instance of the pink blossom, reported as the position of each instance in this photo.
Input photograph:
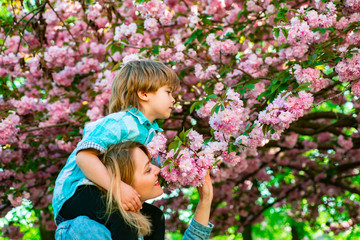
(27, 104)
(94, 113)
(51, 18)
(157, 145)
(196, 140)
(346, 144)
(151, 24)
(356, 89)
(228, 47)
(8, 129)
(205, 110)
(210, 39)
(218, 88)
(311, 75)
(59, 56)
(12, 232)
(15, 201)
(129, 58)
(165, 18)
(193, 21)
(64, 77)
(125, 30)
(94, 11)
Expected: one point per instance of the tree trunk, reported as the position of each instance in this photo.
(294, 233)
(247, 233)
(46, 234)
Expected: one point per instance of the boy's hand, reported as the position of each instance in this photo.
(130, 199)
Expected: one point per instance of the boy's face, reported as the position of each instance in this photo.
(160, 103)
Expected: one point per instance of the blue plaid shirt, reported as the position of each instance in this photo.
(131, 125)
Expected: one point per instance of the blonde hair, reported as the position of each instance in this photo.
(135, 76)
(118, 160)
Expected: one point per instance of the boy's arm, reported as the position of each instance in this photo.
(95, 171)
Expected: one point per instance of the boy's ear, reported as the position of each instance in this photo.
(142, 95)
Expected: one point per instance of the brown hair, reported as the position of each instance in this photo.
(118, 160)
(142, 75)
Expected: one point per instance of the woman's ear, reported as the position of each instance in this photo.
(143, 96)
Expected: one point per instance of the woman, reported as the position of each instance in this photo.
(129, 162)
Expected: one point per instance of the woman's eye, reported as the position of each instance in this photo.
(149, 170)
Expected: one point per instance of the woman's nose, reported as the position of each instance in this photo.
(157, 170)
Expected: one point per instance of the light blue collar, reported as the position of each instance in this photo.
(142, 119)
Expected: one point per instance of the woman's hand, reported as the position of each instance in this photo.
(206, 190)
(202, 214)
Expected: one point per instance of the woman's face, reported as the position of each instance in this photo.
(145, 180)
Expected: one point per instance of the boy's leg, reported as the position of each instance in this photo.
(157, 221)
(90, 201)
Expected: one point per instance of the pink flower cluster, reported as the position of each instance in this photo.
(157, 145)
(345, 144)
(27, 105)
(8, 129)
(232, 118)
(349, 68)
(226, 47)
(124, 30)
(17, 200)
(59, 56)
(205, 110)
(284, 110)
(299, 32)
(201, 74)
(58, 111)
(356, 89)
(12, 232)
(184, 170)
(252, 65)
(311, 75)
(188, 164)
(155, 12)
(353, 4)
(183, 166)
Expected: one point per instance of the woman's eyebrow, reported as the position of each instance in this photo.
(146, 164)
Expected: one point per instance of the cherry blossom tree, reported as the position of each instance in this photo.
(269, 96)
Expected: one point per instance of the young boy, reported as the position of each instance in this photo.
(141, 93)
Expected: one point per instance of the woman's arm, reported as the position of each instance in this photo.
(202, 213)
(200, 228)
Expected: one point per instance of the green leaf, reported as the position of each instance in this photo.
(193, 36)
(250, 86)
(175, 144)
(196, 105)
(155, 50)
(303, 86)
(265, 129)
(276, 32)
(207, 21)
(215, 108)
(212, 96)
(285, 32)
(242, 91)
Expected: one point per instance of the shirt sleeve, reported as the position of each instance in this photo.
(197, 231)
(103, 134)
